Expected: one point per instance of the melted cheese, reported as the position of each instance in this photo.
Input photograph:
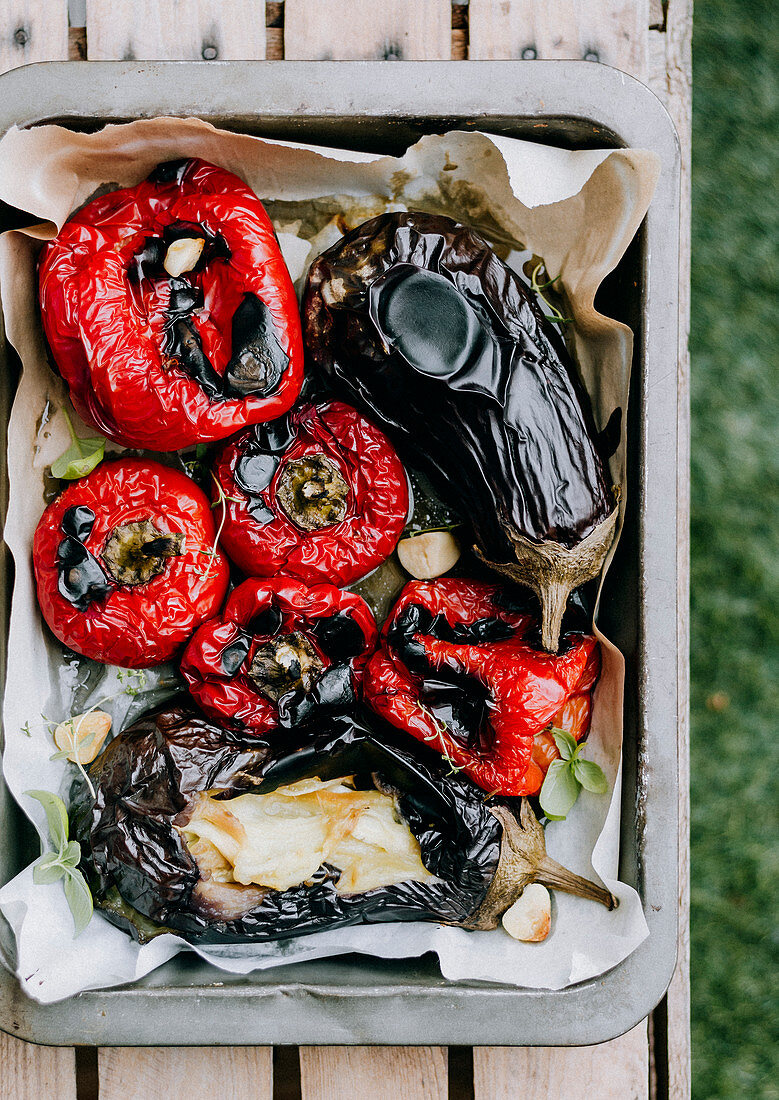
(279, 840)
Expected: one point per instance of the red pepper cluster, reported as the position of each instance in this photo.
(305, 501)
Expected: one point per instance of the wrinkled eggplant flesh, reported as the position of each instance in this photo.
(416, 320)
(279, 840)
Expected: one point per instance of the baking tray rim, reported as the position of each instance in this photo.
(396, 1012)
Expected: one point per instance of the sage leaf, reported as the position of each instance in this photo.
(71, 856)
(566, 744)
(48, 870)
(591, 776)
(79, 899)
(559, 791)
(56, 816)
(81, 457)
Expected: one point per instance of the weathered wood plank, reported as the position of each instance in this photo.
(199, 1073)
(376, 1073)
(176, 30)
(613, 32)
(30, 1072)
(352, 30)
(32, 31)
(618, 1070)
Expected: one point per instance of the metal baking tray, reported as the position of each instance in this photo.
(385, 107)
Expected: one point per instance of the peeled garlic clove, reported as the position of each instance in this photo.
(428, 555)
(85, 734)
(183, 255)
(530, 917)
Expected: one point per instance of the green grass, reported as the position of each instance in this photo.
(735, 578)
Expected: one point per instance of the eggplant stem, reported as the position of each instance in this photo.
(552, 874)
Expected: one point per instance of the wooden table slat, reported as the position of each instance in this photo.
(351, 30)
(197, 1073)
(374, 1073)
(31, 31)
(177, 30)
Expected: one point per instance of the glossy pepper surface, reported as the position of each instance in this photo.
(280, 654)
(159, 360)
(414, 318)
(319, 495)
(457, 669)
(125, 563)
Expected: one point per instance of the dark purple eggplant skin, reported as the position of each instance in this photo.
(415, 319)
(147, 776)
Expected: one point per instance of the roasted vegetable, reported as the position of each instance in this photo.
(417, 321)
(457, 668)
(126, 564)
(280, 654)
(162, 844)
(319, 495)
(169, 310)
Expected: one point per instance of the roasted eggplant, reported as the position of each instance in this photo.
(196, 830)
(414, 318)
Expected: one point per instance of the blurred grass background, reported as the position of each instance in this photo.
(735, 551)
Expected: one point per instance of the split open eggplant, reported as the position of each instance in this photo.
(222, 838)
(416, 319)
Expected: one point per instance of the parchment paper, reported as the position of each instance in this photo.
(579, 211)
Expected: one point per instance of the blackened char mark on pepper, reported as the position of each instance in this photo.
(332, 693)
(258, 360)
(183, 340)
(171, 171)
(339, 636)
(81, 577)
(255, 469)
(234, 654)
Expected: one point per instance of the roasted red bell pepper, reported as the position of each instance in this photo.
(160, 357)
(126, 565)
(457, 669)
(280, 654)
(319, 495)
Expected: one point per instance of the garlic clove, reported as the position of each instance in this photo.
(183, 255)
(84, 734)
(428, 555)
(530, 917)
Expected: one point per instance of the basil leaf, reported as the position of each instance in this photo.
(56, 816)
(591, 776)
(79, 459)
(79, 899)
(566, 745)
(48, 870)
(559, 791)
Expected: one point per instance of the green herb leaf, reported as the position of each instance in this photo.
(591, 776)
(71, 856)
(79, 899)
(48, 870)
(559, 791)
(81, 457)
(566, 744)
(56, 816)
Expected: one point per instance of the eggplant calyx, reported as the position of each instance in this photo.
(286, 663)
(523, 860)
(552, 571)
(136, 552)
(312, 492)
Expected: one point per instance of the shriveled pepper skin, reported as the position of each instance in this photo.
(280, 654)
(457, 669)
(365, 489)
(158, 362)
(170, 526)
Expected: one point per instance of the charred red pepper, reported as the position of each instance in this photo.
(169, 310)
(280, 654)
(457, 669)
(320, 495)
(125, 563)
